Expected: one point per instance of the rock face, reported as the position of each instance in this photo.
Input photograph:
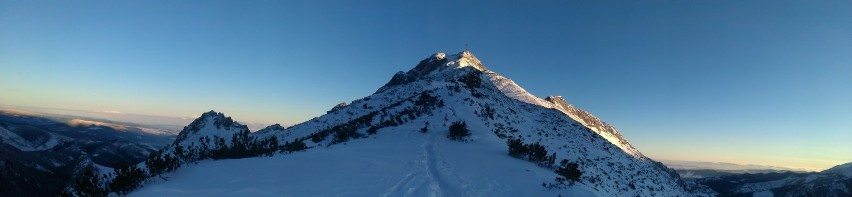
(275, 127)
(336, 107)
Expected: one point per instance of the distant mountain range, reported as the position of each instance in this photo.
(41, 154)
(834, 182)
(730, 179)
(164, 123)
(703, 169)
(678, 164)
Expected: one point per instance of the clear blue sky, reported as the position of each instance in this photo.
(765, 82)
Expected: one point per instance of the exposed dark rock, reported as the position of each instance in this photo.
(337, 107)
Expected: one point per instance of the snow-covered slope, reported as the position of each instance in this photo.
(38, 144)
(406, 163)
(372, 145)
(602, 128)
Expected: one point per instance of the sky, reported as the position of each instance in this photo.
(760, 82)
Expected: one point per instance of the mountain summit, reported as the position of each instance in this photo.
(209, 124)
(437, 63)
(447, 127)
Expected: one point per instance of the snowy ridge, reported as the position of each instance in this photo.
(844, 169)
(377, 137)
(512, 90)
(466, 58)
(508, 87)
(602, 128)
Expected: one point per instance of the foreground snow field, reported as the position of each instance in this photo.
(400, 162)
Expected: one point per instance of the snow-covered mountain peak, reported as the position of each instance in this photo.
(399, 132)
(209, 124)
(212, 113)
(466, 58)
(442, 67)
(436, 66)
(463, 89)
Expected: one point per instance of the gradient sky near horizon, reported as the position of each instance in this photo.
(761, 82)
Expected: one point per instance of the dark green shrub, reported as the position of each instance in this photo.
(458, 131)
